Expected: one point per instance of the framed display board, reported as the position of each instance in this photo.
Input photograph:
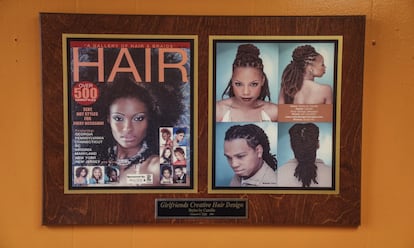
(202, 119)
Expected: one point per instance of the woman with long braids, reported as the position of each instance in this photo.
(298, 85)
(305, 170)
(247, 150)
(247, 90)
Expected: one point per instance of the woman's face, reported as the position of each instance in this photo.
(113, 176)
(166, 173)
(318, 67)
(128, 118)
(247, 83)
(179, 156)
(97, 173)
(166, 136)
(83, 173)
(179, 137)
(167, 153)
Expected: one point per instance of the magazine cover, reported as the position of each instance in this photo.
(274, 123)
(129, 104)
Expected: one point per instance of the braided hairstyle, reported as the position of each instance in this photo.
(293, 75)
(254, 136)
(304, 139)
(248, 56)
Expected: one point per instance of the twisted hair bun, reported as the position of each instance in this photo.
(248, 49)
(248, 55)
(304, 54)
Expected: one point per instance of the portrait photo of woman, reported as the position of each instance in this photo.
(133, 120)
(243, 89)
(81, 174)
(300, 77)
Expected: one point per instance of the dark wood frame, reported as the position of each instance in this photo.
(341, 209)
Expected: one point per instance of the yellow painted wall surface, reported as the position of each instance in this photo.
(388, 130)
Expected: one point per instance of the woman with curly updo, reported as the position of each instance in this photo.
(298, 85)
(247, 90)
(305, 170)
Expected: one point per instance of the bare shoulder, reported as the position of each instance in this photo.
(271, 109)
(221, 108)
(325, 91)
(224, 103)
(326, 86)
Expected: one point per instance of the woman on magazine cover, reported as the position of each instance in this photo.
(305, 170)
(247, 90)
(111, 174)
(96, 177)
(134, 114)
(80, 176)
(166, 175)
(298, 85)
(166, 156)
(179, 154)
(166, 138)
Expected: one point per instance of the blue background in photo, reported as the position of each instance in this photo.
(183, 142)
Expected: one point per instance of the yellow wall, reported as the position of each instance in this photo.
(388, 130)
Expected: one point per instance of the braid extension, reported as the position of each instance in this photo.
(292, 76)
(304, 139)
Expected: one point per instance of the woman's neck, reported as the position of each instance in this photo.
(308, 76)
(237, 103)
(124, 153)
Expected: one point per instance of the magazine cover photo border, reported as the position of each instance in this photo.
(130, 113)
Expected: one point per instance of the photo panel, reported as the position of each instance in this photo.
(274, 83)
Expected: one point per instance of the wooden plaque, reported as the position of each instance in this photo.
(203, 199)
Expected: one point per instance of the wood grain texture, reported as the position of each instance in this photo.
(275, 209)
